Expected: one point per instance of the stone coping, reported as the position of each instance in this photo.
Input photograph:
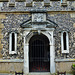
(12, 60)
(22, 60)
(65, 60)
(28, 11)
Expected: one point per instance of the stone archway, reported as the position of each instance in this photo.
(49, 35)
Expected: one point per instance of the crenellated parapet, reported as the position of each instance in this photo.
(50, 5)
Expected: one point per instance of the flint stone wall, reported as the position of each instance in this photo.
(12, 23)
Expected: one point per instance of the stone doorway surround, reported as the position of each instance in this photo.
(27, 35)
(41, 24)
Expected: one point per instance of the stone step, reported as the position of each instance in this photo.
(39, 73)
(45, 74)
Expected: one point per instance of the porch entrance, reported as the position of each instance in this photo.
(39, 54)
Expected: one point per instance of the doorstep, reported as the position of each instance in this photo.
(40, 73)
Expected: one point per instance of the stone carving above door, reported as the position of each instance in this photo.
(38, 20)
(46, 24)
(38, 17)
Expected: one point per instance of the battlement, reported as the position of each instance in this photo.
(27, 5)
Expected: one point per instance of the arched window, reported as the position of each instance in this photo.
(12, 43)
(64, 42)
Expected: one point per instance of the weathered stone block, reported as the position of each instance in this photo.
(73, 4)
(1, 36)
(74, 25)
(1, 4)
(1, 56)
(73, 44)
(29, 4)
(11, 4)
(72, 15)
(2, 16)
(29, 1)
(46, 1)
(11, 0)
(51, 14)
(64, 66)
(74, 35)
(7, 68)
(64, 4)
(46, 4)
(18, 45)
(18, 67)
(1, 46)
(3, 66)
(1, 26)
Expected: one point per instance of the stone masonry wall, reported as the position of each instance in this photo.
(2, 16)
(53, 6)
(12, 24)
(12, 14)
(65, 21)
(18, 67)
(64, 66)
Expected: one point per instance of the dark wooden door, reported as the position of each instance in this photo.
(39, 54)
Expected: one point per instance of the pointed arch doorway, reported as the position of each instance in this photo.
(39, 54)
